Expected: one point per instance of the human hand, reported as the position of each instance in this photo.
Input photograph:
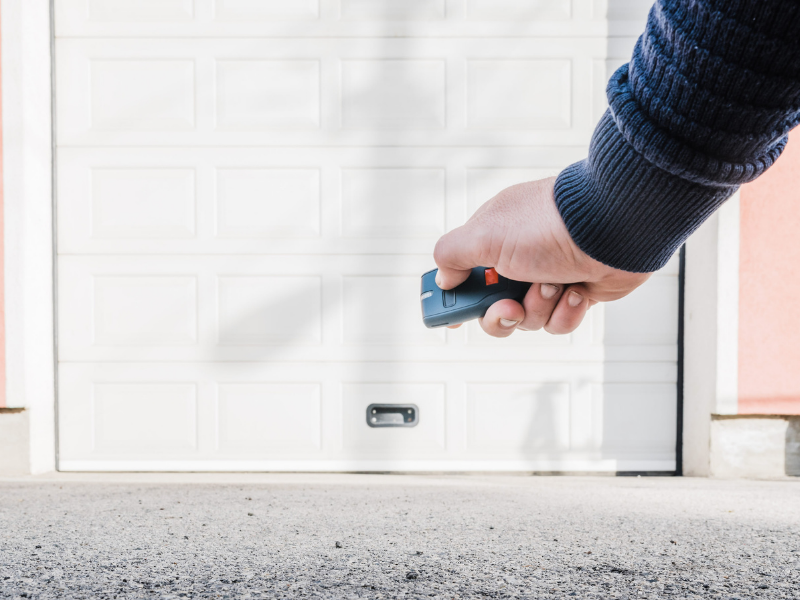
(521, 234)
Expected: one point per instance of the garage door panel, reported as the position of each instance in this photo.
(143, 310)
(115, 417)
(288, 200)
(517, 420)
(337, 307)
(248, 192)
(638, 319)
(348, 18)
(140, 203)
(268, 309)
(294, 415)
(267, 203)
(333, 92)
(268, 418)
(393, 94)
(637, 418)
(267, 94)
(141, 94)
(121, 416)
(135, 411)
(276, 307)
(403, 202)
(519, 94)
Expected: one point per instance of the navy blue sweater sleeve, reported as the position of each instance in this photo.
(704, 106)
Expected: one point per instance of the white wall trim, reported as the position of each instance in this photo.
(27, 169)
(728, 308)
(711, 322)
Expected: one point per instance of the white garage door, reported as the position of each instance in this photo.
(248, 192)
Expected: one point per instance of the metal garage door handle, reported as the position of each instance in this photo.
(392, 415)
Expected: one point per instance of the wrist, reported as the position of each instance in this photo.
(624, 211)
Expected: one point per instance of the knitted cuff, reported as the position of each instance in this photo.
(624, 211)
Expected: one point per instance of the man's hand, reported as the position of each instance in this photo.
(520, 233)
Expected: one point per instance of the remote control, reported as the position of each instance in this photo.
(468, 301)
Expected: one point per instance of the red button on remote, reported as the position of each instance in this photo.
(491, 276)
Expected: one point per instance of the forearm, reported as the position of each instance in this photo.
(704, 106)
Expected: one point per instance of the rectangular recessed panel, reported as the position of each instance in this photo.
(139, 203)
(393, 94)
(400, 10)
(638, 417)
(269, 310)
(267, 94)
(121, 11)
(385, 310)
(265, 10)
(265, 416)
(396, 203)
(647, 316)
(142, 418)
(531, 10)
(268, 203)
(518, 94)
(394, 442)
(483, 184)
(138, 310)
(131, 95)
(520, 419)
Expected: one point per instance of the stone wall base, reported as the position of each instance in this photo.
(756, 447)
(14, 442)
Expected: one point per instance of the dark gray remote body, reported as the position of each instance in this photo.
(468, 301)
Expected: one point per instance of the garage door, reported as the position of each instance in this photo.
(247, 194)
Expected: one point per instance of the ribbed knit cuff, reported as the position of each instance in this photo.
(705, 105)
(624, 211)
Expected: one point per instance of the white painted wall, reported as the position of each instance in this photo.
(728, 308)
(711, 332)
(27, 175)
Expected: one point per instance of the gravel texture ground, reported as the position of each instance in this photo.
(394, 536)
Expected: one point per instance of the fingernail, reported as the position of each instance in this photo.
(548, 290)
(574, 299)
(438, 280)
(508, 322)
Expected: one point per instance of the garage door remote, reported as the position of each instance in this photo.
(468, 301)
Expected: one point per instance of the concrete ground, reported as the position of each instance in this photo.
(395, 536)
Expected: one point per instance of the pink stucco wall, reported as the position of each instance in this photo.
(2, 273)
(769, 289)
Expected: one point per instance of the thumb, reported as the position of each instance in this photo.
(456, 253)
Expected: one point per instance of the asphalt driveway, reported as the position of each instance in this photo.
(394, 536)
